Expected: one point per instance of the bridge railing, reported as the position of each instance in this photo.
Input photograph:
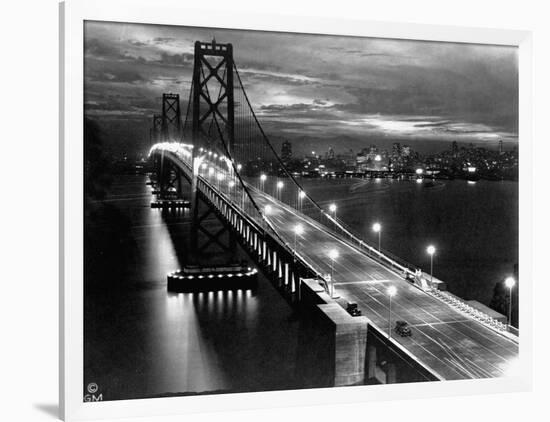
(222, 176)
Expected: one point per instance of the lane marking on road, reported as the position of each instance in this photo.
(375, 281)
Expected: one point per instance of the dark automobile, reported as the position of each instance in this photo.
(409, 277)
(353, 310)
(402, 328)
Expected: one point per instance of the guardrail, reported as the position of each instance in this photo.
(462, 306)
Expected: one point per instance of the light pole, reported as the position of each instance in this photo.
(431, 251)
(377, 228)
(301, 196)
(333, 254)
(267, 211)
(231, 184)
(220, 177)
(280, 185)
(332, 209)
(510, 282)
(298, 230)
(391, 293)
(263, 177)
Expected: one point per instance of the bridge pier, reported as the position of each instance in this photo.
(358, 352)
(371, 362)
(344, 336)
(391, 373)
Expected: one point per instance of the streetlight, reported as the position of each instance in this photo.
(267, 211)
(333, 254)
(220, 177)
(391, 293)
(431, 251)
(263, 177)
(280, 185)
(332, 209)
(301, 196)
(510, 282)
(298, 230)
(377, 228)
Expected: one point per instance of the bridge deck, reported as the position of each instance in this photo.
(449, 343)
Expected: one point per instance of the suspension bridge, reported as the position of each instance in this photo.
(221, 151)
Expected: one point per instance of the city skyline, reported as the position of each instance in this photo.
(357, 90)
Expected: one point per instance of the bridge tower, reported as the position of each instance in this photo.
(213, 108)
(171, 117)
(156, 129)
(213, 73)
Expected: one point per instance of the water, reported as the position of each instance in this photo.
(141, 341)
(473, 225)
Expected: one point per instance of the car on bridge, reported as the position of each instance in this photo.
(353, 310)
(402, 328)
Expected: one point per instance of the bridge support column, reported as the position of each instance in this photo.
(194, 247)
(391, 373)
(350, 342)
(344, 336)
(181, 184)
(371, 362)
(224, 237)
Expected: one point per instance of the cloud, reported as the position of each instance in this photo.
(184, 59)
(315, 85)
(137, 43)
(163, 40)
(116, 76)
(99, 49)
(266, 76)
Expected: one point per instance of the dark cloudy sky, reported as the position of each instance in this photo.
(309, 87)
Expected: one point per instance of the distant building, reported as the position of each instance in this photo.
(400, 157)
(454, 149)
(286, 151)
(372, 160)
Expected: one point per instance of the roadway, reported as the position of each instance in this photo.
(451, 343)
(448, 342)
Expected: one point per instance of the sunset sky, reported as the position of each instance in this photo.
(309, 87)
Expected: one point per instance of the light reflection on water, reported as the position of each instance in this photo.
(188, 359)
(145, 341)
